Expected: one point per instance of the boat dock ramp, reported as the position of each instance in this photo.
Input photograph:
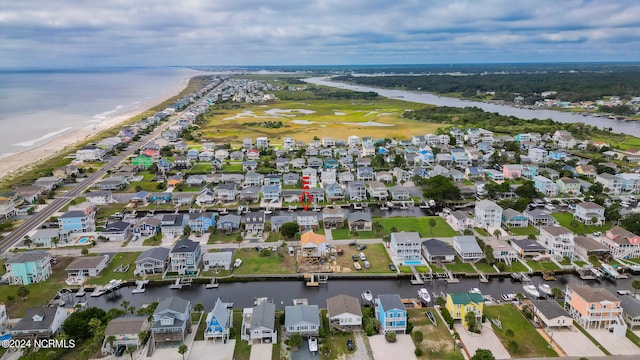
(521, 277)
(140, 286)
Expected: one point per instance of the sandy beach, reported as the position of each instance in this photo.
(26, 160)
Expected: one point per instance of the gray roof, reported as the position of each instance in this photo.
(281, 219)
(390, 301)
(630, 305)
(85, 262)
(157, 253)
(230, 218)
(510, 213)
(185, 246)
(117, 226)
(357, 216)
(72, 214)
(27, 323)
(550, 308)
(404, 237)
(219, 255)
(589, 244)
(264, 315)
(556, 230)
(298, 313)
(221, 313)
(437, 248)
(341, 304)
(459, 215)
(125, 325)
(174, 303)
(468, 244)
(528, 245)
(28, 256)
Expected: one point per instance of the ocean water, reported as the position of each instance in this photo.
(39, 105)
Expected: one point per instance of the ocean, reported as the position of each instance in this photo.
(38, 105)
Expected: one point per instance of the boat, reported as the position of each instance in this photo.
(313, 344)
(424, 296)
(113, 284)
(509, 297)
(237, 263)
(224, 211)
(367, 296)
(424, 205)
(545, 289)
(531, 290)
(259, 300)
(267, 211)
(240, 208)
(177, 285)
(475, 291)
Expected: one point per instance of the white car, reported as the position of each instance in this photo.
(363, 257)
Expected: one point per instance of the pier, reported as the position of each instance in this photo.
(314, 280)
(140, 286)
(417, 279)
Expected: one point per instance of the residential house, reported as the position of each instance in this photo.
(378, 190)
(589, 213)
(502, 250)
(152, 261)
(313, 245)
(459, 305)
(196, 180)
(226, 192)
(271, 193)
(217, 260)
(527, 248)
(307, 220)
(262, 142)
(160, 197)
(365, 173)
(247, 143)
(368, 150)
(467, 248)
(28, 267)
(254, 224)
(117, 231)
(218, 322)
(100, 197)
(125, 331)
(172, 225)
(568, 186)
(437, 251)
(328, 177)
(90, 153)
(512, 171)
(537, 155)
(228, 223)
(353, 141)
(559, 241)
(147, 226)
(77, 221)
(171, 321)
(87, 266)
(50, 237)
(539, 217)
(401, 175)
(391, 314)
(588, 171)
(253, 154)
(333, 218)
(40, 323)
(360, 221)
(405, 248)
(335, 192)
(399, 193)
(182, 198)
(384, 176)
(290, 178)
(250, 194)
(344, 311)
(282, 164)
(622, 243)
(612, 184)
(200, 222)
(550, 313)
(185, 257)
(310, 177)
(165, 165)
(630, 182)
(249, 165)
(545, 185)
(630, 310)
(258, 323)
(514, 219)
(488, 214)
(345, 177)
(459, 220)
(357, 191)
(288, 143)
(278, 220)
(298, 163)
(586, 246)
(594, 307)
(302, 319)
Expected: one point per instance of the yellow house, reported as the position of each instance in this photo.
(461, 304)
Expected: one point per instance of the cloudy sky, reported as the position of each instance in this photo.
(65, 33)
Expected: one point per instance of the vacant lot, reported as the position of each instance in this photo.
(437, 342)
(565, 219)
(119, 259)
(253, 262)
(376, 254)
(419, 224)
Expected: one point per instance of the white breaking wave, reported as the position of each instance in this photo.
(106, 114)
(29, 143)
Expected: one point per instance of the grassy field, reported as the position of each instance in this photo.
(437, 343)
(419, 224)
(565, 220)
(481, 231)
(107, 274)
(542, 265)
(460, 267)
(200, 168)
(485, 268)
(344, 233)
(376, 255)
(516, 266)
(253, 263)
(336, 118)
(526, 231)
(530, 342)
(242, 350)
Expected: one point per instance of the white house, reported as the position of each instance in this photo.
(90, 153)
(258, 323)
(559, 241)
(612, 184)
(551, 314)
(344, 311)
(488, 214)
(589, 213)
(467, 248)
(405, 248)
(302, 319)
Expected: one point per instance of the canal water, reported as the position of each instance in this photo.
(619, 126)
(283, 291)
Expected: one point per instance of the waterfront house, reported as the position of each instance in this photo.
(290, 178)
(360, 221)
(327, 177)
(313, 245)
(278, 220)
(152, 261)
(200, 222)
(147, 226)
(183, 198)
(226, 192)
(612, 184)
(298, 163)
(399, 193)
(302, 319)
(345, 177)
(594, 307)
(218, 322)
(271, 193)
(589, 213)
(40, 323)
(588, 171)
(512, 171)
(384, 176)
(514, 219)
(205, 196)
(502, 250)
(258, 323)
(344, 311)
(630, 310)
(171, 321)
(172, 225)
(437, 251)
(630, 182)
(310, 177)
(307, 220)
(28, 267)
(559, 241)
(217, 260)
(467, 248)
(90, 153)
(527, 248)
(249, 165)
(378, 190)
(568, 186)
(459, 220)
(550, 313)
(77, 221)
(365, 173)
(391, 314)
(405, 248)
(545, 185)
(249, 195)
(539, 217)
(126, 331)
(253, 179)
(333, 218)
(87, 266)
(459, 305)
(117, 231)
(357, 191)
(160, 197)
(586, 246)
(488, 214)
(228, 223)
(254, 224)
(185, 257)
(622, 243)
(335, 192)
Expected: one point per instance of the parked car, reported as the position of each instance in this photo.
(393, 267)
(363, 257)
(355, 257)
(350, 345)
(367, 265)
(120, 350)
(361, 247)
(353, 243)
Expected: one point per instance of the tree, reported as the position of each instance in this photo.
(55, 240)
(355, 234)
(509, 333)
(596, 188)
(556, 292)
(84, 252)
(77, 324)
(470, 319)
(110, 340)
(27, 241)
(94, 325)
(513, 347)
(295, 340)
(497, 233)
(393, 229)
(440, 188)
(130, 350)
(526, 190)
(23, 292)
(289, 230)
(391, 337)
(483, 354)
(631, 223)
(635, 284)
(198, 307)
(432, 224)
(187, 230)
(182, 349)
(488, 254)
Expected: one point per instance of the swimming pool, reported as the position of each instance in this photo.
(413, 262)
(83, 240)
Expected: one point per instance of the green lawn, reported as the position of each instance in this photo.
(242, 350)
(565, 219)
(485, 268)
(526, 231)
(253, 263)
(200, 168)
(419, 224)
(344, 233)
(232, 167)
(107, 274)
(152, 242)
(481, 231)
(516, 266)
(542, 265)
(217, 237)
(437, 343)
(460, 267)
(420, 269)
(530, 342)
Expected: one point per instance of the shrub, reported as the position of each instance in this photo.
(418, 352)
(10, 298)
(513, 347)
(391, 337)
(447, 317)
(409, 327)
(417, 336)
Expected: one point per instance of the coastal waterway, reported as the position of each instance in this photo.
(242, 294)
(619, 126)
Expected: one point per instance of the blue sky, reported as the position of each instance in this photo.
(69, 33)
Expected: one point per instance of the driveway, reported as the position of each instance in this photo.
(574, 343)
(212, 351)
(363, 349)
(403, 348)
(260, 352)
(486, 340)
(616, 345)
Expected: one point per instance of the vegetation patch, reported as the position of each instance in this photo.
(119, 260)
(434, 341)
(419, 224)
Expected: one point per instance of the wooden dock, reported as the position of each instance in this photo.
(417, 279)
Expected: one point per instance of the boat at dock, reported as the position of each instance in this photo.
(140, 286)
(509, 297)
(179, 283)
(475, 291)
(531, 290)
(424, 295)
(367, 296)
(545, 289)
(112, 285)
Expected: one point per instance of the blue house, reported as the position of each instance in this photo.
(529, 171)
(163, 197)
(331, 164)
(28, 267)
(77, 221)
(165, 165)
(201, 222)
(228, 223)
(557, 155)
(218, 322)
(391, 313)
(383, 151)
(512, 218)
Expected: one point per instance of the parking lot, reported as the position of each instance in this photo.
(574, 343)
(486, 340)
(616, 345)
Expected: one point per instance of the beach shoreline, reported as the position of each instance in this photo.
(24, 161)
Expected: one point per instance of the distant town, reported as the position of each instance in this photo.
(165, 203)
